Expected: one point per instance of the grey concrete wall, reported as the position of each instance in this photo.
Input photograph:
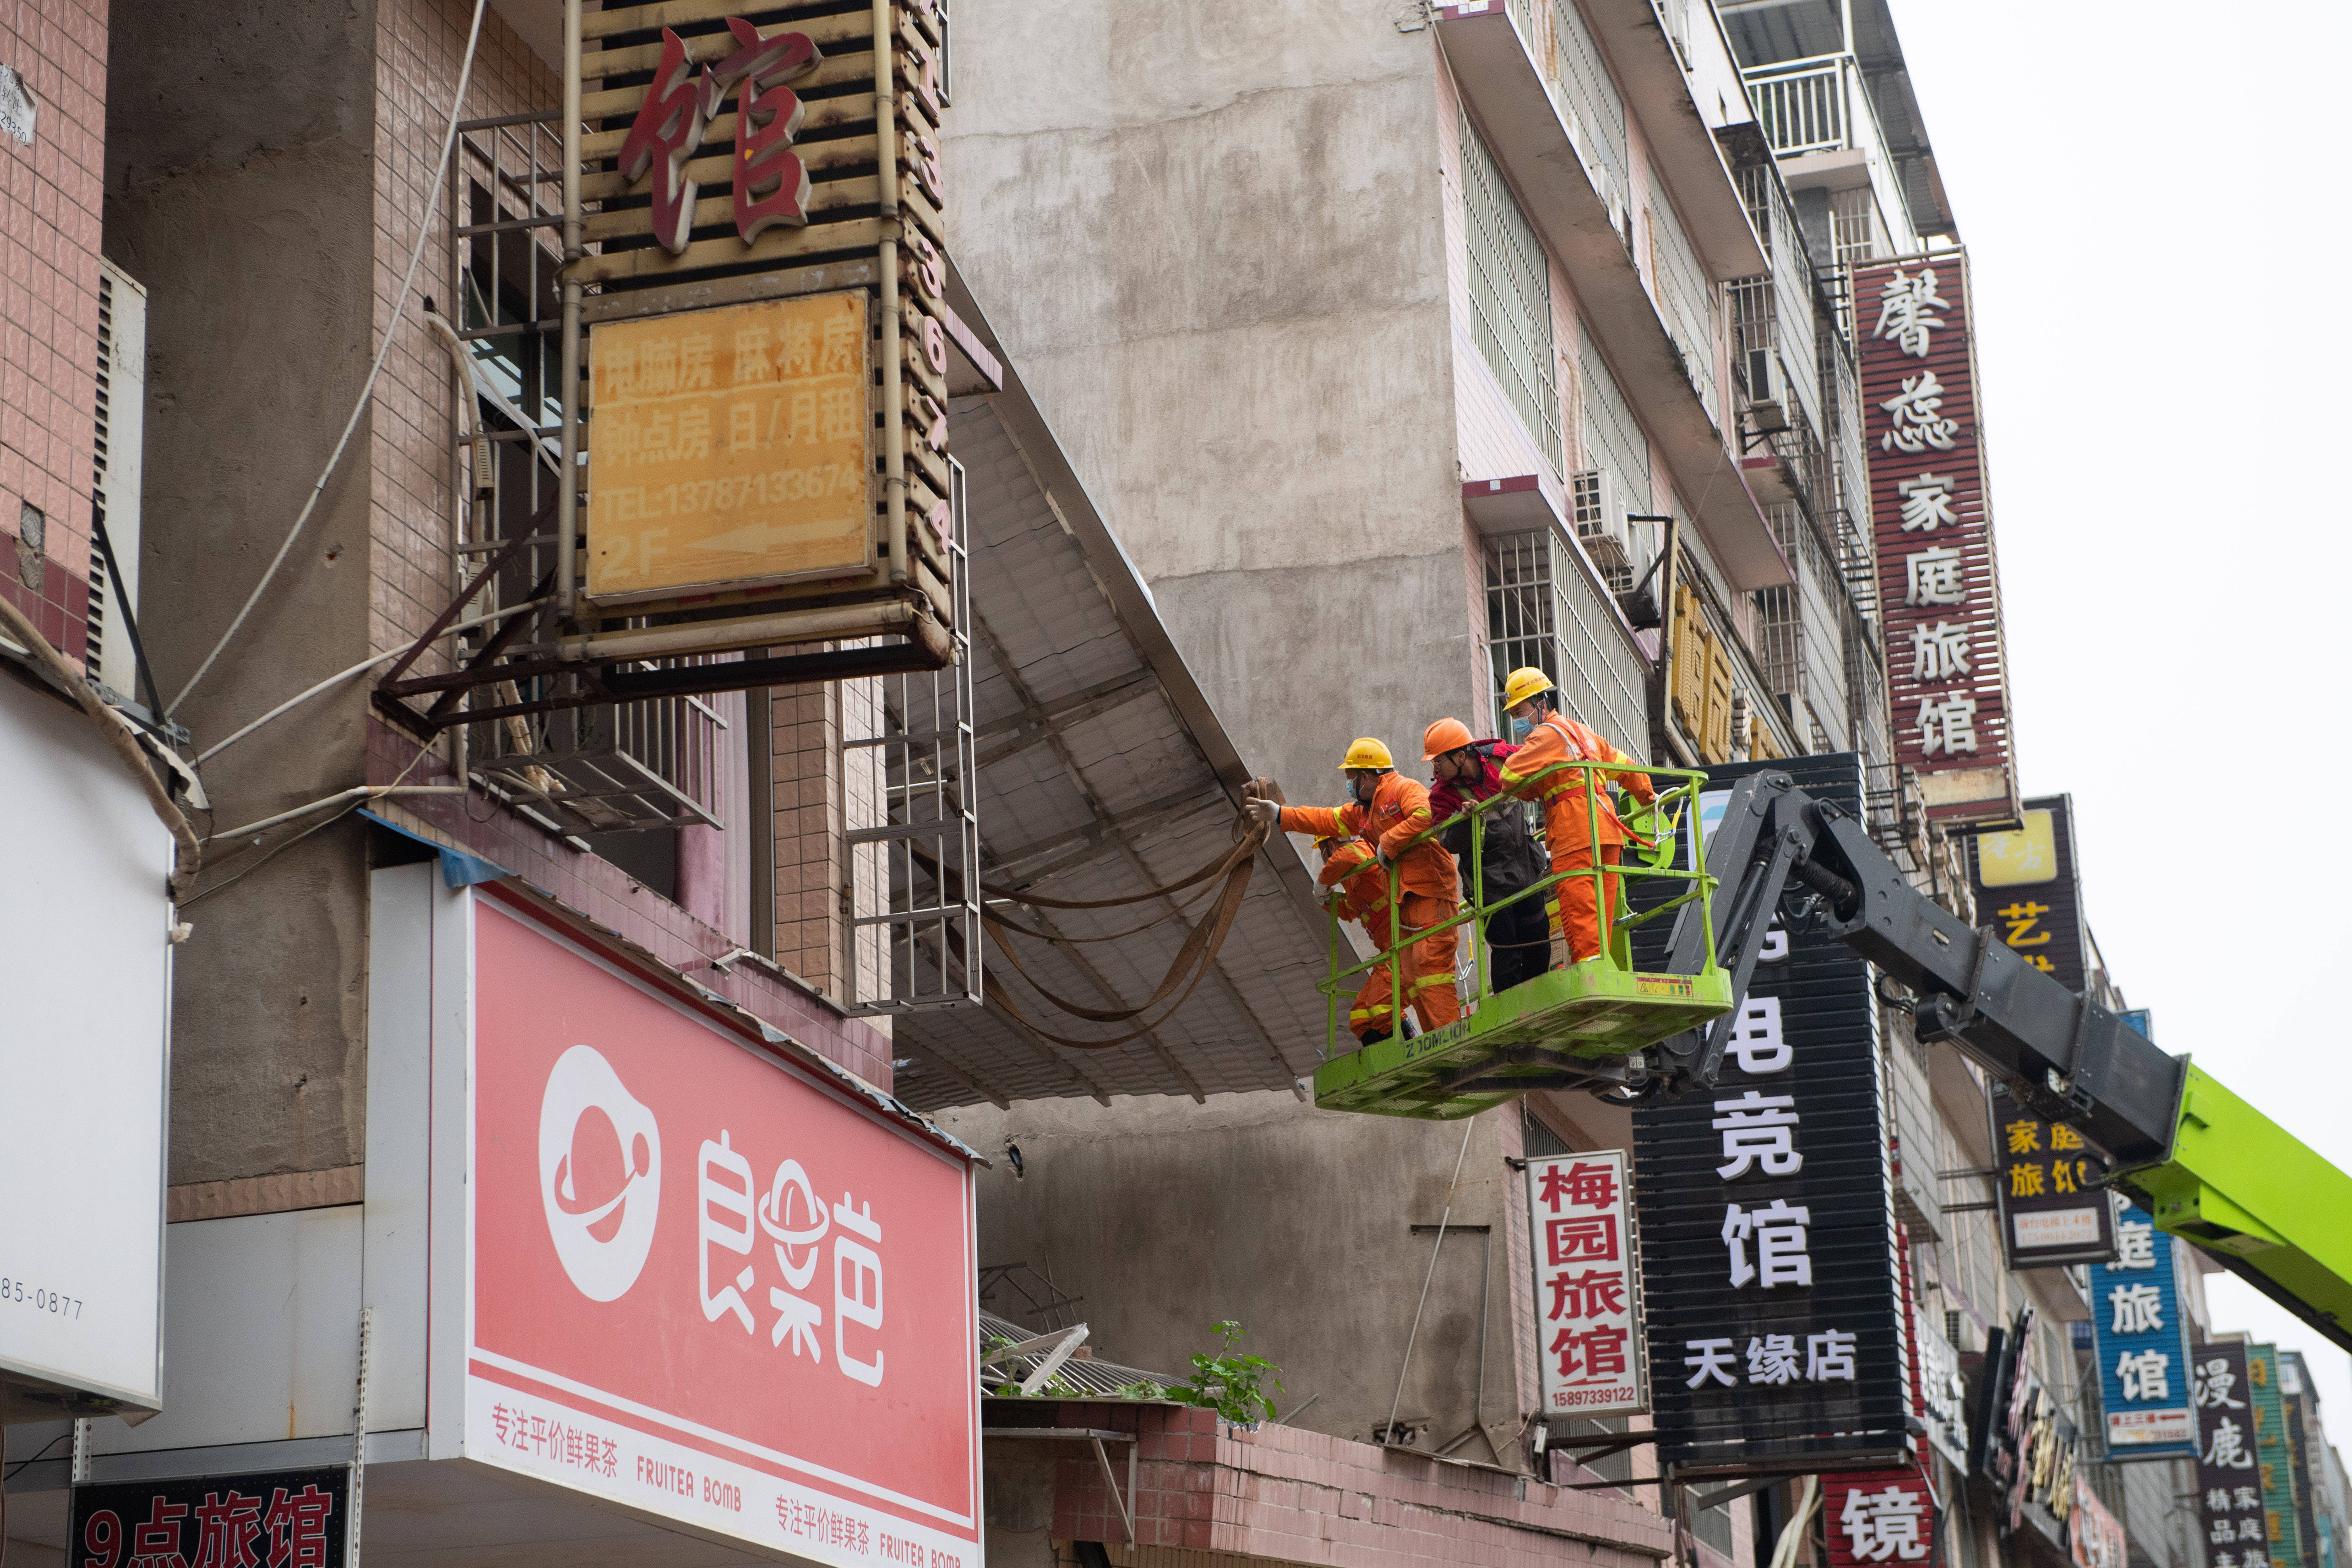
(1167, 1216)
(1211, 239)
(239, 191)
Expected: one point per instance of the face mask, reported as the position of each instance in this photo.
(1521, 728)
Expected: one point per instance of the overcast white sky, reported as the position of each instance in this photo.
(2153, 197)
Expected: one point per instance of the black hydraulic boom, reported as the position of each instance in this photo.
(2065, 1056)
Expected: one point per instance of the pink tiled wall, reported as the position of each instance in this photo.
(421, 45)
(1295, 1496)
(612, 898)
(49, 306)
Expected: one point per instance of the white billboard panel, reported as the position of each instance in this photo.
(85, 966)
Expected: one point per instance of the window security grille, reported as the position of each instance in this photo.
(1590, 97)
(1510, 293)
(1613, 439)
(1684, 296)
(1542, 610)
(1855, 233)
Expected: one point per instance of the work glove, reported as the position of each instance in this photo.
(1265, 812)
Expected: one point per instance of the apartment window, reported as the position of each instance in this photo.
(1510, 293)
(1684, 296)
(1590, 98)
(1855, 232)
(1613, 438)
(1542, 610)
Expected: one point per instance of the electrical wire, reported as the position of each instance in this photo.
(1467, 1128)
(340, 675)
(367, 389)
(276, 849)
(38, 1453)
(188, 855)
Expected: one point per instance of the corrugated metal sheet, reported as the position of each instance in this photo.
(1096, 780)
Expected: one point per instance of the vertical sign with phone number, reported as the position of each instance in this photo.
(1588, 1286)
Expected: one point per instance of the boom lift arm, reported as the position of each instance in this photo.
(2207, 1165)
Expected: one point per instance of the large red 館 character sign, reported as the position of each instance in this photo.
(772, 183)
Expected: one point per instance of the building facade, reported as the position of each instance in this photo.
(1300, 370)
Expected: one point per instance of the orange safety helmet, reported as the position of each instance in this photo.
(1445, 735)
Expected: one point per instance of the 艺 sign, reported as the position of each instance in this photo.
(704, 1285)
(1587, 1287)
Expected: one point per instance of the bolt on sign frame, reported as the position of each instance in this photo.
(715, 452)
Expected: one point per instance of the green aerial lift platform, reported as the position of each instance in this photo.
(2209, 1166)
(1572, 1027)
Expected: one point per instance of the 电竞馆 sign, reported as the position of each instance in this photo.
(1769, 1283)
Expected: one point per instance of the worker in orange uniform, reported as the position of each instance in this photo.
(1359, 888)
(1388, 809)
(1573, 807)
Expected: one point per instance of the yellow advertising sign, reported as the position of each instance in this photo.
(2021, 857)
(729, 448)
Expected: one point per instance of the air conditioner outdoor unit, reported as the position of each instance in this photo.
(120, 445)
(1600, 521)
(1768, 392)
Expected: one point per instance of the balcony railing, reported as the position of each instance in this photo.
(1803, 105)
(1823, 105)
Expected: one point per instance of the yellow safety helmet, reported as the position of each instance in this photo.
(1523, 684)
(1366, 753)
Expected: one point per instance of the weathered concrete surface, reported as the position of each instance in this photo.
(1167, 1216)
(238, 190)
(1211, 239)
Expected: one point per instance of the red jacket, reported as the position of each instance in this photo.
(1447, 798)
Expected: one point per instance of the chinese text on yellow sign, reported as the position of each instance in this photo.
(729, 448)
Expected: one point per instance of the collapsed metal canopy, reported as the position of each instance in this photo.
(1102, 774)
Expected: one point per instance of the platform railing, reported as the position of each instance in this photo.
(1675, 809)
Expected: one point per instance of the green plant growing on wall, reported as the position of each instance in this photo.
(1228, 1382)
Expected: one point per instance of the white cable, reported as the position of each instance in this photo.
(360, 668)
(1442, 1219)
(367, 391)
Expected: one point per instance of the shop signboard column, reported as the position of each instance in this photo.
(253, 1519)
(2272, 1457)
(692, 1275)
(2229, 1514)
(1939, 581)
(1775, 1319)
(2140, 1329)
(2052, 1210)
(1588, 1286)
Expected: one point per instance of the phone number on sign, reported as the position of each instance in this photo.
(1567, 1398)
(25, 1292)
(634, 503)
